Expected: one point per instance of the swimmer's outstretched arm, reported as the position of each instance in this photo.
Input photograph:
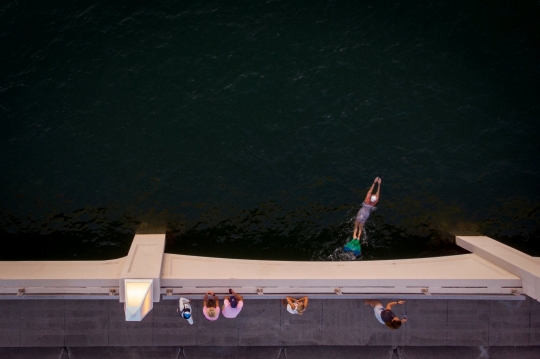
(391, 304)
(368, 196)
(378, 190)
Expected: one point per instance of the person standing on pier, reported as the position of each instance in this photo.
(211, 306)
(386, 316)
(368, 206)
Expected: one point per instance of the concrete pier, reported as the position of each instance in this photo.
(458, 306)
(172, 274)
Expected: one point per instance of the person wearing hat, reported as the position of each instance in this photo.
(184, 309)
(232, 305)
(368, 206)
(211, 306)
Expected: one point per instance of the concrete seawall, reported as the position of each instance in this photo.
(471, 304)
(486, 271)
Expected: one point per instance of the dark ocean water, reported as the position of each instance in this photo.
(254, 129)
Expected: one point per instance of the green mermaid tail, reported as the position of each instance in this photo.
(353, 246)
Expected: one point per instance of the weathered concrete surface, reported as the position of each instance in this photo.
(31, 353)
(265, 322)
(295, 352)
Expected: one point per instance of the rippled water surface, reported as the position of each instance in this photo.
(254, 129)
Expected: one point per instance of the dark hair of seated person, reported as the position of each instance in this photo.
(394, 324)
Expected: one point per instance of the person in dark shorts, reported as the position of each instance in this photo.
(368, 206)
(386, 316)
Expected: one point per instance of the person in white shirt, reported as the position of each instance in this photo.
(295, 306)
(232, 305)
(184, 309)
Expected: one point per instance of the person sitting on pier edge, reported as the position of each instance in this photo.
(386, 316)
(368, 206)
(295, 306)
(184, 309)
(232, 305)
(211, 306)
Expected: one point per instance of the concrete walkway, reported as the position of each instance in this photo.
(265, 323)
(301, 352)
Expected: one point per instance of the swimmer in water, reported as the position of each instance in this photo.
(368, 206)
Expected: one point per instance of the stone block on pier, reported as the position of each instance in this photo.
(534, 330)
(41, 323)
(468, 323)
(509, 322)
(172, 330)
(124, 352)
(258, 352)
(302, 329)
(214, 352)
(259, 323)
(444, 352)
(427, 322)
(221, 332)
(338, 352)
(343, 322)
(123, 333)
(9, 323)
(512, 352)
(32, 353)
(86, 323)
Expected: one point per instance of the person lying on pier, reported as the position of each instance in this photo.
(211, 306)
(368, 206)
(232, 305)
(386, 316)
(295, 306)
(184, 309)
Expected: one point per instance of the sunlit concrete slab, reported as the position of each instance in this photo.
(453, 274)
(144, 261)
(518, 263)
(77, 277)
(460, 275)
(138, 298)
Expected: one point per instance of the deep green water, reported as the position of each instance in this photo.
(253, 129)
